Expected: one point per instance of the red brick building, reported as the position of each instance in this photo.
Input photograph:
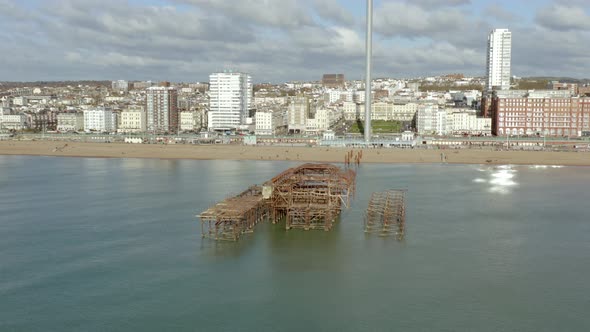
(584, 90)
(571, 87)
(544, 112)
(333, 80)
(486, 105)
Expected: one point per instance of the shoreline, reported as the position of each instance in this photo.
(302, 161)
(283, 153)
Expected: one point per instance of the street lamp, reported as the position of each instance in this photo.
(544, 138)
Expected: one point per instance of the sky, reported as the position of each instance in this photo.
(284, 40)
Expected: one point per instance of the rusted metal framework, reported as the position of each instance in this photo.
(234, 216)
(310, 196)
(386, 213)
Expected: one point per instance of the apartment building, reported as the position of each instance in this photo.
(190, 121)
(161, 109)
(542, 112)
(463, 122)
(12, 121)
(264, 123)
(70, 122)
(381, 111)
(431, 120)
(100, 120)
(298, 111)
(333, 80)
(230, 98)
(499, 59)
(132, 121)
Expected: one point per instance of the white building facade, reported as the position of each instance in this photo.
(431, 120)
(335, 96)
(434, 120)
(230, 98)
(352, 111)
(381, 111)
(270, 100)
(13, 122)
(100, 120)
(298, 113)
(323, 119)
(120, 86)
(19, 101)
(468, 123)
(190, 121)
(264, 123)
(70, 122)
(132, 121)
(499, 59)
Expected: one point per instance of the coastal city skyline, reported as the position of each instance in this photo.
(294, 165)
(282, 40)
(330, 109)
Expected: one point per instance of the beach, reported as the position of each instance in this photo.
(303, 154)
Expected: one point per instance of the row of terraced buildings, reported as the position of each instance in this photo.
(538, 113)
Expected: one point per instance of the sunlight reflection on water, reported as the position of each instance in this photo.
(499, 178)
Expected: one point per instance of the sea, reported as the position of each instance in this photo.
(90, 244)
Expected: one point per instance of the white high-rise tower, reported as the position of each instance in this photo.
(230, 96)
(499, 54)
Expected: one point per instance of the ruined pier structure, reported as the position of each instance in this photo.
(386, 213)
(310, 196)
(234, 216)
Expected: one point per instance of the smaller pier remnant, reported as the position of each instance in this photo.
(386, 213)
(234, 216)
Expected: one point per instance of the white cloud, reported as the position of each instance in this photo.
(333, 11)
(274, 40)
(563, 18)
(500, 13)
(439, 3)
(277, 13)
(409, 20)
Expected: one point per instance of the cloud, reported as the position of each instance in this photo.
(563, 18)
(500, 13)
(577, 3)
(409, 20)
(333, 11)
(432, 58)
(568, 53)
(439, 3)
(275, 13)
(111, 21)
(274, 40)
(9, 10)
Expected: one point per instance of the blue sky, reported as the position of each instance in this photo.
(281, 40)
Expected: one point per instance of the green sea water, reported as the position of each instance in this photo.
(113, 245)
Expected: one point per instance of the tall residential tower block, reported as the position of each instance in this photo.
(230, 99)
(162, 109)
(498, 59)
